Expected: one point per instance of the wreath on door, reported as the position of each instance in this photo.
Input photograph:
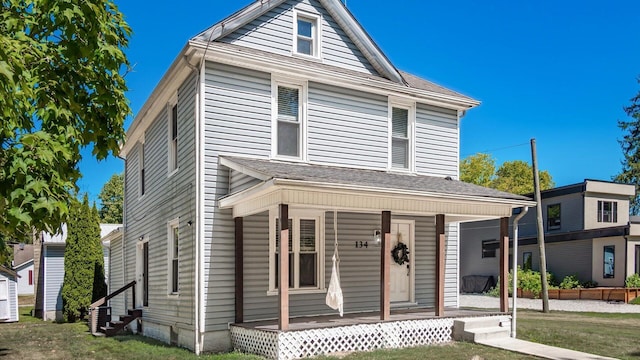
(400, 253)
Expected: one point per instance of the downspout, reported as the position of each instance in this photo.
(515, 268)
(198, 341)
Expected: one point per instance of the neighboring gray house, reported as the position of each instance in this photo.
(8, 295)
(23, 265)
(49, 271)
(588, 233)
(288, 106)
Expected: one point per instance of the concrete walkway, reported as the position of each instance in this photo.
(540, 350)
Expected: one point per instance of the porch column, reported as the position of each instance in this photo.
(239, 280)
(440, 260)
(283, 269)
(385, 267)
(504, 264)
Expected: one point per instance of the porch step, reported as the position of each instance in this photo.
(482, 328)
(115, 326)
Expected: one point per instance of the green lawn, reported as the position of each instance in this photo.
(614, 335)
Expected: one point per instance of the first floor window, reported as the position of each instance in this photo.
(489, 248)
(607, 211)
(609, 261)
(173, 247)
(305, 245)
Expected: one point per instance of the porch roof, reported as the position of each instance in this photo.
(344, 188)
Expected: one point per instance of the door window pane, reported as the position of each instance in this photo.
(609, 261)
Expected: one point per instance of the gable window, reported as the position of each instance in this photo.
(173, 138)
(401, 137)
(307, 35)
(306, 244)
(609, 257)
(289, 120)
(553, 217)
(607, 211)
(141, 166)
(489, 248)
(173, 245)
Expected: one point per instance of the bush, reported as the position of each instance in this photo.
(570, 282)
(528, 280)
(589, 284)
(633, 281)
(635, 301)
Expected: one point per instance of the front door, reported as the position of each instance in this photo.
(142, 270)
(401, 274)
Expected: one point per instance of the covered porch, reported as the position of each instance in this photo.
(297, 325)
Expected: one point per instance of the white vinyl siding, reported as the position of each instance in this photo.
(274, 32)
(167, 197)
(437, 134)
(53, 278)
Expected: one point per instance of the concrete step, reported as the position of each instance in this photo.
(484, 322)
(485, 334)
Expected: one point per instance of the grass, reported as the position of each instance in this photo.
(613, 335)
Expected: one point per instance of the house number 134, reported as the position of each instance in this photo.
(361, 244)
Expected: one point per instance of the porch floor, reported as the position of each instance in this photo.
(373, 317)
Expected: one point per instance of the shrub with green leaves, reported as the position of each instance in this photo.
(570, 282)
(528, 280)
(633, 281)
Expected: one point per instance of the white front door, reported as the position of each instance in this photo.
(4, 299)
(401, 275)
(142, 276)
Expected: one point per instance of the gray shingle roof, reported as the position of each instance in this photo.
(271, 169)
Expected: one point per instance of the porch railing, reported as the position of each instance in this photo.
(93, 308)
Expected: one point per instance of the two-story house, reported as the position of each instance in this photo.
(588, 233)
(287, 109)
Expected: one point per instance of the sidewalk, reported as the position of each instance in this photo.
(540, 350)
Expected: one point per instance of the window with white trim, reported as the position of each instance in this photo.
(141, 166)
(401, 127)
(173, 137)
(607, 211)
(306, 248)
(173, 246)
(307, 34)
(289, 120)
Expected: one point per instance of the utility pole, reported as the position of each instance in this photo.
(543, 257)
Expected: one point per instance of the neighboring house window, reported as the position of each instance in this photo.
(609, 261)
(307, 35)
(553, 217)
(173, 247)
(401, 129)
(173, 140)
(306, 242)
(142, 178)
(607, 211)
(527, 260)
(289, 121)
(637, 259)
(489, 248)
(30, 277)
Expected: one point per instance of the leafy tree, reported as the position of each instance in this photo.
(83, 261)
(512, 176)
(478, 169)
(630, 144)
(6, 252)
(60, 91)
(111, 196)
(517, 177)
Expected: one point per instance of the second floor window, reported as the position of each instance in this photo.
(289, 121)
(607, 211)
(553, 217)
(141, 166)
(173, 140)
(400, 140)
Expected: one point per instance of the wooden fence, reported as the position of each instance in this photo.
(606, 294)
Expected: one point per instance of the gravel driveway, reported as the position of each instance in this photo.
(489, 302)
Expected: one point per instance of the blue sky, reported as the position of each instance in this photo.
(557, 71)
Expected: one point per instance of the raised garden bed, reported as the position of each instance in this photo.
(601, 293)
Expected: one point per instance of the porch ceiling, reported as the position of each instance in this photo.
(350, 189)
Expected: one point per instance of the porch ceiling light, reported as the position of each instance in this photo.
(377, 237)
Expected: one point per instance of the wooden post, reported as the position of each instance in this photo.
(504, 264)
(440, 260)
(283, 269)
(385, 267)
(239, 279)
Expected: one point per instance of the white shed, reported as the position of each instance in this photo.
(8, 295)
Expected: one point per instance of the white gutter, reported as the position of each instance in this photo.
(515, 268)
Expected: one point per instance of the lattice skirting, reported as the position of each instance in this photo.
(361, 337)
